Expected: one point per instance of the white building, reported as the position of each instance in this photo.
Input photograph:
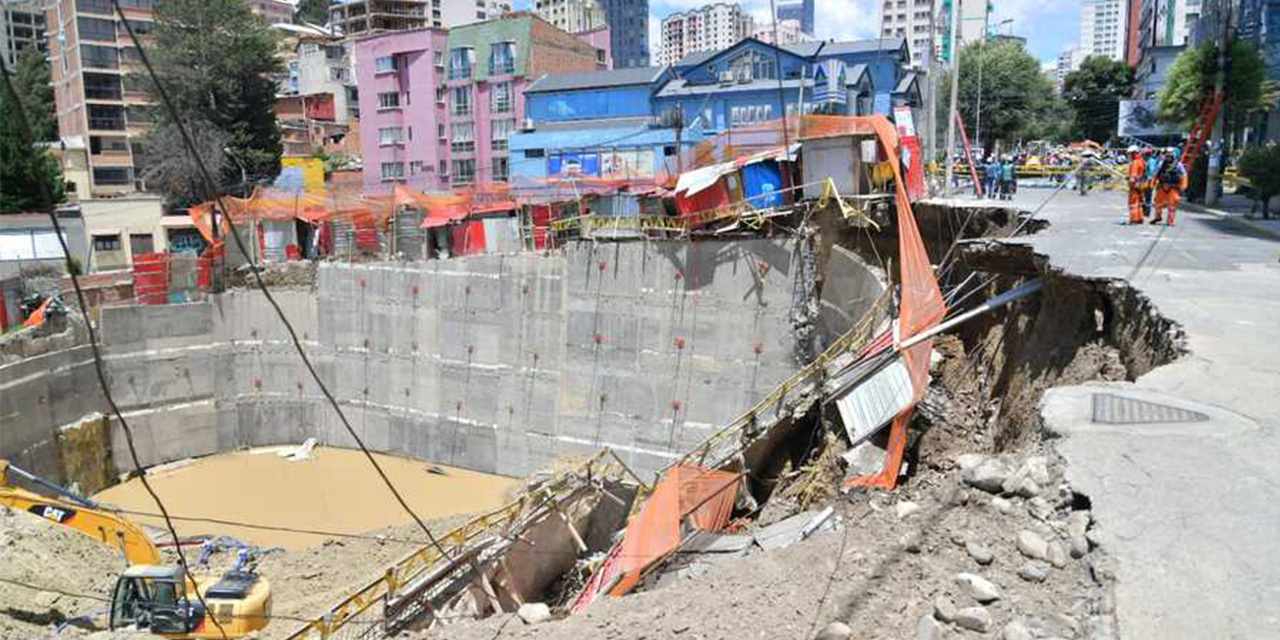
(1069, 60)
(709, 28)
(789, 32)
(571, 16)
(1103, 24)
(917, 21)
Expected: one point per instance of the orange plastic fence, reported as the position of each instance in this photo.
(921, 308)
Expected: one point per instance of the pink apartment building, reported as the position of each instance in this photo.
(438, 107)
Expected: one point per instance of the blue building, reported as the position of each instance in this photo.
(597, 124)
(740, 85)
(798, 10)
(634, 122)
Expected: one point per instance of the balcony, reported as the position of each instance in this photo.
(501, 106)
(460, 110)
(503, 68)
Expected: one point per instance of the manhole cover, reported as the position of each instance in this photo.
(1109, 408)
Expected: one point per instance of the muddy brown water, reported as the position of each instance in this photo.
(335, 490)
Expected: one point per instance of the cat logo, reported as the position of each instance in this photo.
(56, 514)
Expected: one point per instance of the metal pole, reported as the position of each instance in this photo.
(1214, 179)
(982, 54)
(955, 92)
(994, 303)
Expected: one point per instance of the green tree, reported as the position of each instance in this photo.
(217, 61)
(1191, 78)
(313, 11)
(23, 165)
(1094, 92)
(1048, 123)
(1013, 91)
(1261, 166)
(35, 87)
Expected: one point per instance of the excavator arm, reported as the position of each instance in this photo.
(86, 517)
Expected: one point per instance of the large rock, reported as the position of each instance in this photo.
(835, 631)
(980, 553)
(988, 476)
(944, 609)
(1056, 555)
(534, 612)
(1034, 571)
(1078, 523)
(905, 508)
(1032, 545)
(974, 618)
(978, 587)
(1015, 631)
(929, 629)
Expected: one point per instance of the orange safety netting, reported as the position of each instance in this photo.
(37, 317)
(705, 496)
(921, 308)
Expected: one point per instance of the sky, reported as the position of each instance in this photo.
(1049, 25)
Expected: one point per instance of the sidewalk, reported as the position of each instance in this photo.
(1236, 208)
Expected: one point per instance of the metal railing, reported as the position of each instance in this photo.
(356, 616)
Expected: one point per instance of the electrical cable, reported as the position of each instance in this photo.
(99, 368)
(212, 190)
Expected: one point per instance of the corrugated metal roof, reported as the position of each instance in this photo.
(595, 79)
(863, 46)
(683, 88)
(905, 83)
(804, 49)
(695, 58)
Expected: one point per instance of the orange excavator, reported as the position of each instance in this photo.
(149, 595)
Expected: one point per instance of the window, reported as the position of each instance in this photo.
(338, 74)
(500, 169)
(389, 100)
(464, 171)
(106, 243)
(535, 153)
(113, 176)
(140, 243)
(500, 98)
(96, 6)
(415, 167)
(384, 64)
(107, 117)
(464, 137)
(392, 171)
(333, 52)
(461, 101)
(500, 133)
(440, 132)
(390, 136)
(109, 145)
(502, 58)
(130, 54)
(444, 168)
(441, 94)
(139, 114)
(102, 86)
(408, 98)
(96, 29)
(461, 60)
(438, 56)
(97, 57)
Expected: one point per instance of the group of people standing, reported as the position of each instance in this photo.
(999, 177)
(1156, 183)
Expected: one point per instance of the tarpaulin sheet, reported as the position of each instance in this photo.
(468, 238)
(706, 495)
(714, 197)
(762, 185)
(921, 308)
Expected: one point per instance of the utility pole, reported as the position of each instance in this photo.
(955, 92)
(982, 54)
(1213, 183)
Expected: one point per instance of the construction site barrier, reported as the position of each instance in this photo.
(356, 616)
(592, 223)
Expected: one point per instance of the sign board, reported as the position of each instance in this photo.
(876, 400)
(1138, 120)
(301, 174)
(903, 120)
(587, 164)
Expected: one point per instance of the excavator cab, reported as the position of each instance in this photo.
(154, 598)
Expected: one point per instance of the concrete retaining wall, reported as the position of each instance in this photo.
(498, 363)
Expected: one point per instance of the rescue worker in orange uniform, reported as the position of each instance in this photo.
(1171, 181)
(1137, 183)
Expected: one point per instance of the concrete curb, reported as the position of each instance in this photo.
(1236, 218)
